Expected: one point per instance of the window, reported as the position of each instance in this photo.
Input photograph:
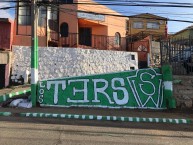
(132, 57)
(117, 39)
(138, 25)
(53, 19)
(24, 14)
(132, 68)
(64, 30)
(153, 25)
(42, 16)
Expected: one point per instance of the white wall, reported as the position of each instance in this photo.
(57, 62)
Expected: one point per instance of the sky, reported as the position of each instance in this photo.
(171, 13)
(6, 13)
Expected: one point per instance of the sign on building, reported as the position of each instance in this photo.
(90, 16)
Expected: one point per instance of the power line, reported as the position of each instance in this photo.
(51, 3)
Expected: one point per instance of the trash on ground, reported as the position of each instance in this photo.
(21, 103)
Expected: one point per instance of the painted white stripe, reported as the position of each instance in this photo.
(168, 85)
(122, 118)
(164, 119)
(34, 76)
(177, 121)
(4, 98)
(76, 116)
(91, 117)
(41, 114)
(99, 117)
(114, 118)
(47, 114)
(150, 119)
(130, 118)
(83, 116)
(170, 120)
(184, 121)
(34, 114)
(144, 119)
(108, 118)
(69, 116)
(63, 115)
(156, 120)
(137, 119)
(55, 115)
(27, 114)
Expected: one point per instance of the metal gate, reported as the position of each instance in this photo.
(179, 54)
(2, 76)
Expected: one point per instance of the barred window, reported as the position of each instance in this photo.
(24, 14)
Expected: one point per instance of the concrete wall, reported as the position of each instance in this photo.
(155, 54)
(183, 91)
(60, 62)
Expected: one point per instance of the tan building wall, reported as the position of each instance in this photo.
(150, 18)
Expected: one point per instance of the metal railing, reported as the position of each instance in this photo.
(95, 41)
(179, 54)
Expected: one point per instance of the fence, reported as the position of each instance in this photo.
(179, 54)
(94, 41)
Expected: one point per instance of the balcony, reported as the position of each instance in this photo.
(93, 42)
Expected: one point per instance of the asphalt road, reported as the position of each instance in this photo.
(30, 131)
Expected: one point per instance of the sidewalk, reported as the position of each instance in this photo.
(13, 89)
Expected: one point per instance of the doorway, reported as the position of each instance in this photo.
(2, 75)
(85, 36)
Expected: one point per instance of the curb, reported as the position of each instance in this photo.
(11, 95)
(5, 113)
(106, 118)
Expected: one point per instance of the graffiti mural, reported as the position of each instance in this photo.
(129, 89)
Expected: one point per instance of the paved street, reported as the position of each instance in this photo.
(15, 130)
(38, 131)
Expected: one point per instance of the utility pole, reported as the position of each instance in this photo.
(34, 52)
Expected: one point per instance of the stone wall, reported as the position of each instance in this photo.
(63, 62)
(155, 54)
(183, 91)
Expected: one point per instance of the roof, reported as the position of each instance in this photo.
(187, 28)
(148, 16)
(6, 20)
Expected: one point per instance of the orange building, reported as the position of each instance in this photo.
(6, 37)
(72, 25)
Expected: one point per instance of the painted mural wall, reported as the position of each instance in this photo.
(145, 88)
(64, 62)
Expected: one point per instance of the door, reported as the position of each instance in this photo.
(85, 36)
(2, 76)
